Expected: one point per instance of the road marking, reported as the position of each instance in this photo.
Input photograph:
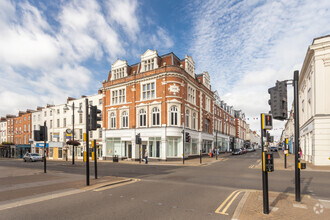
(239, 208)
(302, 206)
(230, 200)
(116, 185)
(39, 199)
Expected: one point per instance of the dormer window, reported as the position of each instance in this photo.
(118, 73)
(119, 69)
(149, 65)
(189, 65)
(149, 60)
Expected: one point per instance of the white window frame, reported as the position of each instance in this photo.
(187, 118)
(139, 118)
(194, 120)
(118, 96)
(151, 90)
(124, 124)
(155, 113)
(191, 94)
(174, 113)
(113, 120)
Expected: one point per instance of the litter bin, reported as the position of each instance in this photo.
(115, 158)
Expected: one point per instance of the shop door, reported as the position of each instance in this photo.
(55, 153)
(129, 150)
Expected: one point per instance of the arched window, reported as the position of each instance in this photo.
(187, 118)
(174, 115)
(143, 118)
(155, 116)
(194, 121)
(124, 119)
(113, 120)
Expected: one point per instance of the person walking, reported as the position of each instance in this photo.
(146, 156)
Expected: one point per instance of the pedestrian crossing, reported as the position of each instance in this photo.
(255, 165)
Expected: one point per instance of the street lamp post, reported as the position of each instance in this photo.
(79, 111)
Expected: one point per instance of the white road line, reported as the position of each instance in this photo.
(39, 199)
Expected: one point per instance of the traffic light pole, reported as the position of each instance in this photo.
(95, 158)
(45, 152)
(73, 133)
(296, 130)
(216, 145)
(285, 153)
(183, 143)
(264, 173)
(87, 143)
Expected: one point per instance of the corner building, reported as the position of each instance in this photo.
(157, 98)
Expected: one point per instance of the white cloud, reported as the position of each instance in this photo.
(247, 46)
(124, 12)
(42, 63)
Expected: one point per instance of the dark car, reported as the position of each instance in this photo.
(236, 152)
(273, 149)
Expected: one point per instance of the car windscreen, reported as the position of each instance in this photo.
(35, 155)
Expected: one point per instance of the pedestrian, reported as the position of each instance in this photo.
(146, 156)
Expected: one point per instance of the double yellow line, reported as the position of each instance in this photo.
(230, 199)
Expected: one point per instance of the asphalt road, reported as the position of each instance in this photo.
(164, 192)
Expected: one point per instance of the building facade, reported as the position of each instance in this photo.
(58, 119)
(3, 130)
(314, 109)
(158, 98)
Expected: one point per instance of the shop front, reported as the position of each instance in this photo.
(117, 147)
(56, 150)
(22, 149)
(40, 148)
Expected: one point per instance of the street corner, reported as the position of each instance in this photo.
(282, 206)
(108, 182)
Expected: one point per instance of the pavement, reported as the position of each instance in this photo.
(282, 206)
(226, 188)
(206, 160)
(290, 160)
(25, 186)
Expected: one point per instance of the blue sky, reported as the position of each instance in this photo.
(50, 50)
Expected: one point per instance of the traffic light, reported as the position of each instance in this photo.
(187, 137)
(268, 162)
(138, 139)
(267, 121)
(94, 118)
(36, 134)
(43, 133)
(278, 100)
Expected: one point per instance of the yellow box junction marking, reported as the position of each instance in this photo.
(230, 200)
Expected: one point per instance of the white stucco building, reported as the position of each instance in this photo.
(3, 130)
(58, 119)
(314, 101)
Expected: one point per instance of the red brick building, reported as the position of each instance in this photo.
(155, 98)
(22, 127)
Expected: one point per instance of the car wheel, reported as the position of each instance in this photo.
(24, 160)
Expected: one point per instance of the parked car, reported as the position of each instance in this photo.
(273, 149)
(243, 150)
(250, 149)
(279, 147)
(236, 152)
(31, 157)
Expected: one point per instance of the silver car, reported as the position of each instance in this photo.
(32, 157)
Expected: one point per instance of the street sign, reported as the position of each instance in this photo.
(285, 152)
(68, 131)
